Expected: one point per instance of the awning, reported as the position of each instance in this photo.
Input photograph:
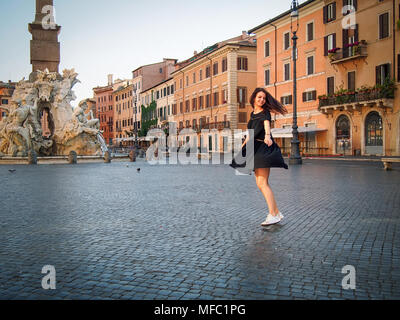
(287, 132)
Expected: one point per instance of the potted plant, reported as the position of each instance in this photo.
(332, 53)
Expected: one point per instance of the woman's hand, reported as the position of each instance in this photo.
(268, 141)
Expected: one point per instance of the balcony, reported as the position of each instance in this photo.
(382, 98)
(353, 51)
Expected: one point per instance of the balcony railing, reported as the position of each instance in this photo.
(213, 125)
(349, 98)
(350, 53)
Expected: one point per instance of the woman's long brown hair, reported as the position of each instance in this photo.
(271, 104)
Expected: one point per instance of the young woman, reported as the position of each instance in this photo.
(267, 153)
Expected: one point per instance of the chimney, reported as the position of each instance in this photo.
(110, 79)
(195, 52)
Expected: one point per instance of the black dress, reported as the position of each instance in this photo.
(263, 156)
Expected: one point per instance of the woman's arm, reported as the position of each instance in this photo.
(245, 141)
(267, 128)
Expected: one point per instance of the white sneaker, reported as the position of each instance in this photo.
(272, 220)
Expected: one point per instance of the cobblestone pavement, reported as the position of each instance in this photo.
(193, 232)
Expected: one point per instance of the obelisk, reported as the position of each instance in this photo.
(45, 48)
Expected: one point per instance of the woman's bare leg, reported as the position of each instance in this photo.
(262, 176)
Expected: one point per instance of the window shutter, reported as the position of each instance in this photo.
(281, 100)
(326, 46)
(378, 75)
(304, 96)
(290, 99)
(355, 4)
(245, 64)
(325, 14)
(356, 33)
(380, 26)
(334, 40)
(345, 42)
(345, 3)
(314, 95)
(238, 63)
(334, 11)
(398, 67)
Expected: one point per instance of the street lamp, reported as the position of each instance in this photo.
(295, 157)
(134, 98)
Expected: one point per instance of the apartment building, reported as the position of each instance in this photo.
(124, 115)
(362, 47)
(146, 77)
(275, 73)
(6, 92)
(105, 109)
(163, 95)
(212, 90)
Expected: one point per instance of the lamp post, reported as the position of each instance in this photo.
(134, 98)
(295, 157)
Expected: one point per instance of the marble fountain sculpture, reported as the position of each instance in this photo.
(21, 131)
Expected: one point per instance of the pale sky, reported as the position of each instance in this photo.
(100, 37)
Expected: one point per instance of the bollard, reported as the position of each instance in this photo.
(132, 156)
(72, 157)
(107, 157)
(32, 158)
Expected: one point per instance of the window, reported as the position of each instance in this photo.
(330, 12)
(330, 43)
(194, 104)
(384, 25)
(286, 41)
(208, 100)
(242, 63)
(267, 74)
(160, 70)
(208, 72)
(180, 83)
(4, 101)
(187, 81)
(187, 106)
(242, 97)
(215, 68)
(309, 96)
(224, 96)
(201, 75)
(165, 92)
(266, 49)
(181, 107)
(310, 65)
(382, 72)
(287, 72)
(351, 81)
(350, 3)
(168, 90)
(310, 31)
(242, 117)
(201, 102)
(330, 85)
(194, 77)
(224, 64)
(216, 99)
(285, 100)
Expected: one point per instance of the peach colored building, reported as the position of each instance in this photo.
(124, 115)
(362, 113)
(212, 90)
(146, 77)
(6, 92)
(163, 94)
(275, 74)
(105, 110)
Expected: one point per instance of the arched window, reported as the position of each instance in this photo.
(343, 127)
(343, 141)
(373, 130)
